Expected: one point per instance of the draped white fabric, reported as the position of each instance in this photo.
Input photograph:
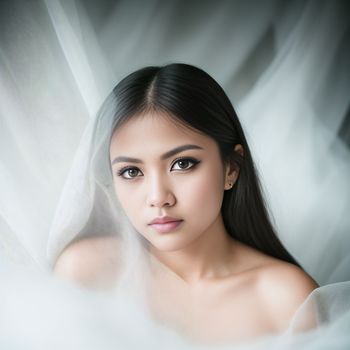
(285, 68)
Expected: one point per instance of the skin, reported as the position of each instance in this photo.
(245, 292)
(160, 187)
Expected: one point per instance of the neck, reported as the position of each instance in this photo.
(208, 257)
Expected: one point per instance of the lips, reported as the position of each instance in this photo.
(164, 220)
(165, 224)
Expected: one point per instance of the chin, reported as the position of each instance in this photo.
(169, 244)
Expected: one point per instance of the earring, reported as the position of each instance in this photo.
(230, 184)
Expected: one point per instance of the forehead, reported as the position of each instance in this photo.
(155, 131)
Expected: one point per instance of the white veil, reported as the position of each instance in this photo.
(58, 62)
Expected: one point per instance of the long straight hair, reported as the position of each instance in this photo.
(191, 97)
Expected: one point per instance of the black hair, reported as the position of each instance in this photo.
(192, 97)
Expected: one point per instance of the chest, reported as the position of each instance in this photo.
(209, 312)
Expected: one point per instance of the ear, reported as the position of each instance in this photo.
(232, 170)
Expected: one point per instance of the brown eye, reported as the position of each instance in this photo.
(185, 163)
(131, 172)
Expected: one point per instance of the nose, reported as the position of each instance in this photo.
(159, 194)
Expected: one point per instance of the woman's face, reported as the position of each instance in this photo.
(158, 181)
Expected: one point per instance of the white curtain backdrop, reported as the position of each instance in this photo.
(284, 65)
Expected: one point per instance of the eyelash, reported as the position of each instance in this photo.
(125, 169)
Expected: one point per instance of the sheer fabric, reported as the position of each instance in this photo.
(285, 69)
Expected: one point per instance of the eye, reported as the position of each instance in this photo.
(131, 171)
(184, 162)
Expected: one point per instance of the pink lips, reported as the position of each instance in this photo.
(165, 224)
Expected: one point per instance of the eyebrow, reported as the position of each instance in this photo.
(162, 157)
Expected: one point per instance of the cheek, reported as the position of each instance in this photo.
(203, 196)
(129, 204)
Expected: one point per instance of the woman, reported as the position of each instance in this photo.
(183, 174)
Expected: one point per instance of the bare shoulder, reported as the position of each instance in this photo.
(92, 262)
(283, 287)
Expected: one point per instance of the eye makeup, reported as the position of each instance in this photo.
(125, 169)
